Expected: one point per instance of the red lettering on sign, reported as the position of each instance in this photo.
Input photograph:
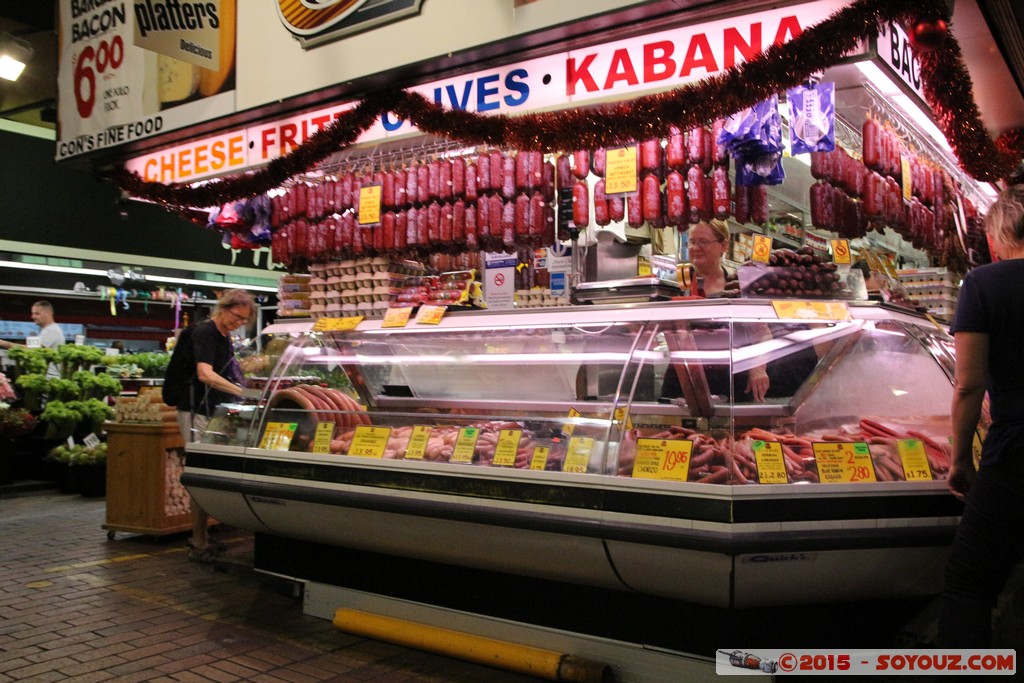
(734, 43)
(575, 74)
(658, 62)
(789, 28)
(620, 70)
(700, 44)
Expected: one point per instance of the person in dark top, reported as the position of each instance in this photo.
(988, 328)
(218, 379)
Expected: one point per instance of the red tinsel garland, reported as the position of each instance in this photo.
(947, 88)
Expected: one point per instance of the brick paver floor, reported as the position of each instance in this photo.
(75, 606)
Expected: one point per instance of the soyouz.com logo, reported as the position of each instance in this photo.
(989, 662)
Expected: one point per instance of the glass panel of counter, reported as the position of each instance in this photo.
(656, 391)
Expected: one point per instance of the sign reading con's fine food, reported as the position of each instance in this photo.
(129, 70)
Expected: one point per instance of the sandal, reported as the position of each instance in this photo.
(206, 555)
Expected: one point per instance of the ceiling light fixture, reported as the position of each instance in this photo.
(14, 55)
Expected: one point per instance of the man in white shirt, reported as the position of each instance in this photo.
(50, 334)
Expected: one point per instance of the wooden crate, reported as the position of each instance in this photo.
(144, 493)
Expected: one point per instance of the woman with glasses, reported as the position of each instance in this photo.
(217, 379)
(707, 243)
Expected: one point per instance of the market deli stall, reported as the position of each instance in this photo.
(611, 446)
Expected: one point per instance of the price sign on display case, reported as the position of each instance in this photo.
(844, 462)
(771, 463)
(278, 435)
(322, 439)
(397, 317)
(568, 427)
(539, 460)
(430, 315)
(337, 324)
(577, 457)
(667, 459)
(914, 460)
(841, 252)
(508, 446)
(417, 445)
(370, 442)
(465, 444)
(762, 250)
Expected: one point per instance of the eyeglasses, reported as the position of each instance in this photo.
(238, 317)
(703, 244)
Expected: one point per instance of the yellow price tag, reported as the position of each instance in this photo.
(322, 439)
(465, 444)
(811, 310)
(623, 418)
(397, 317)
(430, 315)
(841, 252)
(914, 460)
(620, 170)
(771, 463)
(844, 462)
(278, 435)
(577, 457)
(643, 267)
(762, 250)
(667, 459)
(539, 459)
(568, 427)
(369, 442)
(417, 445)
(369, 204)
(908, 187)
(337, 324)
(507, 447)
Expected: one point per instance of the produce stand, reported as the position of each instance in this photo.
(144, 494)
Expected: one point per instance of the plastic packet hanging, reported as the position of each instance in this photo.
(765, 169)
(812, 118)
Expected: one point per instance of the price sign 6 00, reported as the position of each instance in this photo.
(92, 61)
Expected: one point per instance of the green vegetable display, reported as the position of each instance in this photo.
(31, 361)
(61, 419)
(95, 385)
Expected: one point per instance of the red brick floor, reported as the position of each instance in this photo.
(77, 607)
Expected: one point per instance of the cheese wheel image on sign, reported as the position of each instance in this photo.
(213, 81)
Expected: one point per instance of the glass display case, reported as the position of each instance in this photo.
(627, 438)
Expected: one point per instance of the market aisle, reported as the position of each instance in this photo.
(75, 606)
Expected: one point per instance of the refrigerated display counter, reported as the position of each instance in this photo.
(612, 446)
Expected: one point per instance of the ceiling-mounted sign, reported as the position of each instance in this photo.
(314, 22)
(896, 55)
(609, 71)
(131, 70)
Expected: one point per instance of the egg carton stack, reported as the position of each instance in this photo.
(935, 289)
(357, 287)
(540, 298)
(177, 501)
(294, 296)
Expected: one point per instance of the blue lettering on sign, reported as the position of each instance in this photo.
(458, 96)
(388, 124)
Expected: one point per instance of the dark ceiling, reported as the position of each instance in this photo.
(31, 98)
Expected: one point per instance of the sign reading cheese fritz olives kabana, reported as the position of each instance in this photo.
(314, 22)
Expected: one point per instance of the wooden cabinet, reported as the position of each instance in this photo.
(144, 491)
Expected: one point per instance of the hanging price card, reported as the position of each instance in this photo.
(465, 444)
(369, 205)
(907, 185)
(620, 170)
(508, 445)
(914, 459)
(811, 310)
(397, 317)
(417, 445)
(369, 442)
(771, 464)
(841, 252)
(577, 457)
(762, 250)
(667, 459)
(844, 463)
(568, 427)
(622, 415)
(322, 439)
(539, 460)
(278, 435)
(337, 324)
(430, 315)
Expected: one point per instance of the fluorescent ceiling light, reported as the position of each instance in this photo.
(10, 68)
(149, 278)
(894, 94)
